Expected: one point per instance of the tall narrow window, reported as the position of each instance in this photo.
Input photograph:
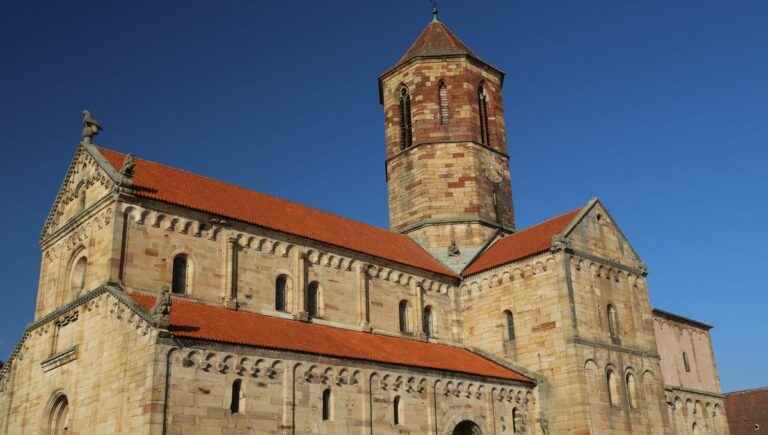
(77, 277)
(234, 405)
(313, 290)
(443, 97)
(327, 404)
(515, 420)
(403, 316)
(686, 363)
(631, 390)
(179, 281)
(482, 105)
(280, 292)
(509, 320)
(613, 388)
(613, 322)
(396, 410)
(406, 127)
(81, 199)
(427, 321)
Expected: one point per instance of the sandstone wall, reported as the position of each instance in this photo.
(281, 391)
(99, 354)
(673, 339)
(356, 291)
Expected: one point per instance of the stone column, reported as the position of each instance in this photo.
(363, 296)
(419, 311)
(300, 267)
(230, 280)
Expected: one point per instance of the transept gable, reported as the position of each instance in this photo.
(595, 232)
(110, 297)
(88, 179)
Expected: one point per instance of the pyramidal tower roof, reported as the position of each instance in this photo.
(434, 41)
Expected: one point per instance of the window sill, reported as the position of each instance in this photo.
(59, 359)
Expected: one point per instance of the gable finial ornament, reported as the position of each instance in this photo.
(453, 250)
(161, 312)
(128, 166)
(91, 127)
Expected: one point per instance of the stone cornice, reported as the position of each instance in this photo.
(674, 388)
(616, 348)
(77, 221)
(641, 271)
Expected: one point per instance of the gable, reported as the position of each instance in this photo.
(87, 180)
(595, 232)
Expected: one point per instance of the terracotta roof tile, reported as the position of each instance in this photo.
(521, 244)
(164, 183)
(213, 323)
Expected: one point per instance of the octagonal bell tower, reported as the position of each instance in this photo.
(446, 153)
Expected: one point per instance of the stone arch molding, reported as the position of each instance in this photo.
(461, 417)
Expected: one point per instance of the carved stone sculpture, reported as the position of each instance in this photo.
(161, 312)
(91, 127)
(128, 166)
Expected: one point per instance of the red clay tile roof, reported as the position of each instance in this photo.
(745, 409)
(214, 323)
(519, 245)
(164, 183)
(435, 40)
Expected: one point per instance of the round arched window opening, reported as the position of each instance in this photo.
(58, 420)
(77, 276)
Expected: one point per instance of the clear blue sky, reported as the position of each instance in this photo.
(657, 107)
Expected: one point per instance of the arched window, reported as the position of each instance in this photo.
(327, 405)
(427, 321)
(280, 284)
(403, 316)
(443, 98)
(509, 320)
(77, 277)
(81, 199)
(179, 281)
(631, 390)
(313, 296)
(613, 388)
(58, 420)
(613, 322)
(396, 410)
(482, 105)
(234, 405)
(406, 127)
(686, 363)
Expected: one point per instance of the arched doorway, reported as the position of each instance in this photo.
(467, 427)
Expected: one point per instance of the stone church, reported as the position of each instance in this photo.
(172, 303)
